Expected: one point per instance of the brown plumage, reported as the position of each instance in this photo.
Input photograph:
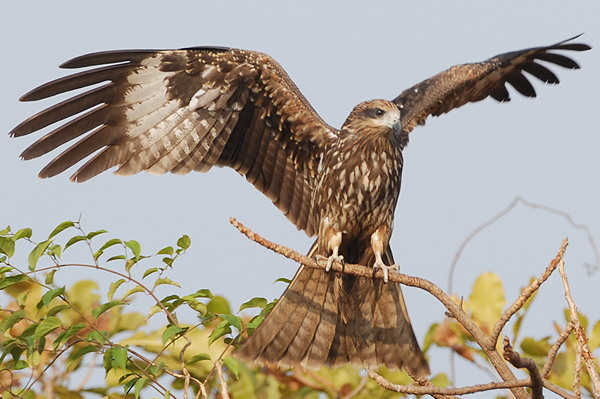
(191, 109)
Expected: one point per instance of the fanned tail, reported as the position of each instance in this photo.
(332, 319)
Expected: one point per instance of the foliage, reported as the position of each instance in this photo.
(55, 338)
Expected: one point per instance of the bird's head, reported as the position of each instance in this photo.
(379, 118)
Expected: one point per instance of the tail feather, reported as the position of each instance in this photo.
(332, 319)
(303, 339)
(318, 350)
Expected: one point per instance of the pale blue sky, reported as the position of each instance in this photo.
(460, 169)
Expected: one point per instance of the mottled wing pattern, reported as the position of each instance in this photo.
(474, 82)
(183, 110)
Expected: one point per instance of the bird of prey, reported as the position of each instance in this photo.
(191, 109)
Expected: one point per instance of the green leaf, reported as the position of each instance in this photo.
(139, 384)
(198, 358)
(135, 247)
(120, 357)
(107, 360)
(132, 291)
(129, 264)
(235, 321)
(184, 242)
(7, 246)
(55, 250)
(74, 240)
(38, 251)
(487, 300)
(49, 296)
(203, 293)
(254, 303)
(95, 233)
(165, 251)
(219, 305)
(57, 309)
(81, 352)
(536, 348)
(67, 335)
(29, 331)
(232, 365)
(106, 245)
(60, 227)
(196, 305)
(283, 279)
(269, 307)
(116, 257)
(96, 336)
(172, 331)
(20, 365)
(22, 299)
(50, 277)
(9, 321)
(46, 326)
(594, 339)
(149, 272)
(255, 322)
(165, 280)
(106, 306)
(113, 288)
(441, 380)
(222, 329)
(8, 281)
(23, 233)
(429, 337)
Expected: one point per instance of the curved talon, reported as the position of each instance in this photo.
(385, 269)
(332, 259)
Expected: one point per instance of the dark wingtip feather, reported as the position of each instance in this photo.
(107, 57)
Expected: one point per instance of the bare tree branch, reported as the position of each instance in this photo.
(433, 390)
(224, 391)
(579, 332)
(554, 350)
(487, 345)
(557, 390)
(424, 382)
(527, 292)
(537, 385)
(591, 267)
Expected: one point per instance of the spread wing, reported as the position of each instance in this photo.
(183, 110)
(474, 82)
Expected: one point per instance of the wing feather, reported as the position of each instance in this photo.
(474, 82)
(183, 110)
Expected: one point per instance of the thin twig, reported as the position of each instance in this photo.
(224, 392)
(433, 390)
(577, 371)
(527, 293)
(579, 332)
(359, 270)
(537, 385)
(557, 390)
(361, 385)
(424, 382)
(591, 268)
(554, 350)
(149, 292)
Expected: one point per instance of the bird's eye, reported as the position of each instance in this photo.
(379, 112)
